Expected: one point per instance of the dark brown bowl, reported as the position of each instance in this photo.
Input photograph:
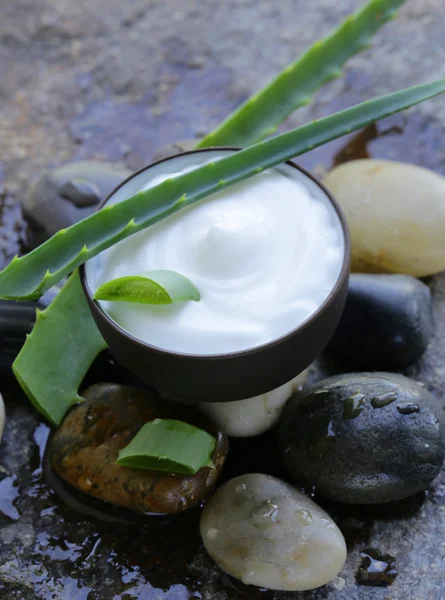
(231, 376)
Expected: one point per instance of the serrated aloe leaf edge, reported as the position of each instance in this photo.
(30, 276)
(296, 85)
(45, 367)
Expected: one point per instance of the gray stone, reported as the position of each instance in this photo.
(13, 229)
(266, 533)
(60, 197)
(364, 438)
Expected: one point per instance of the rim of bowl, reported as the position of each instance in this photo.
(344, 271)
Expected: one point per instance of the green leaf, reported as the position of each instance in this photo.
(295, 86)
(159, 287)
(58, 352)
(170, 446)
(30, 276)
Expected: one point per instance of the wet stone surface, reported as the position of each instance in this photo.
(118, 81)
(364, 438)
(85, 447)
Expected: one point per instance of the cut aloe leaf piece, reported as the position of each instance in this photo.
(159, 287)
(170, 446)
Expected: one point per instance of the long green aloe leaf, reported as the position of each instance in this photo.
(295, 86)
(30, 276)
(58, 352)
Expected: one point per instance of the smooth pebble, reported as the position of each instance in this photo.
(266, 533)
(396, 215)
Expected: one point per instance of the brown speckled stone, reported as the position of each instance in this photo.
(85, 447)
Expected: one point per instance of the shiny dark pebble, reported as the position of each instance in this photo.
(387, 323)
(363, 438)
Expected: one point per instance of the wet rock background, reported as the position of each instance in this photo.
(116, 81)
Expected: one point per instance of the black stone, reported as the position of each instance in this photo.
(362, 451)
(60, 197)
(387, 323)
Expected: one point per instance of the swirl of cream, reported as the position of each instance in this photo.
(263, 253)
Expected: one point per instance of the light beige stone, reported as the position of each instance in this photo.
(266, 533)
(396, 214)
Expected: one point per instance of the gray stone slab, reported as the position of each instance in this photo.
(117, 81)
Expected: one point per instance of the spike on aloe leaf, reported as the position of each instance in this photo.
(45, 367)
(130, 225)
(46, 265)
(295, 86)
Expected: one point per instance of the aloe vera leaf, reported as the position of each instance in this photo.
(158, 287)
(261, 114)
(169, 445)
(58, 352)
(30, 276)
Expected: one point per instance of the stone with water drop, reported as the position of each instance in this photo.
(276, 538)
(368, 438)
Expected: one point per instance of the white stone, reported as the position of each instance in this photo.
(262, 539)
(396, 214)
(252, 416)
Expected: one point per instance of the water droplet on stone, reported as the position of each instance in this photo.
(187, 487)
(328, 524)
(212, 534)
(408, 408)
(241, 487)
(303, 516)
(353, 406)
(377, 569)
(265, 515)
(384, 399)
(84, 483)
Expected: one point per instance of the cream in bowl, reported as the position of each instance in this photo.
(265, 254)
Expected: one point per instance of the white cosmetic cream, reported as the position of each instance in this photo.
(264, 255)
